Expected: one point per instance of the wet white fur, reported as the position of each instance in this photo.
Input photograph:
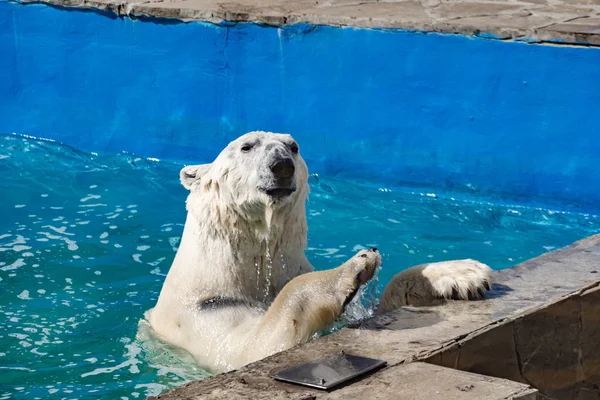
(461, 276)
(238, 243)
(223, 252)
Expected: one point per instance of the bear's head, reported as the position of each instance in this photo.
(257, 171)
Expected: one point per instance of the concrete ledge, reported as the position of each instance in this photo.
(539, 325)
(561, 21)
(416, 381)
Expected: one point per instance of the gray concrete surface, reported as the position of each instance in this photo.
(555, 349)
(558, 21)
(540, 325)
(420, 381)
(414, 381)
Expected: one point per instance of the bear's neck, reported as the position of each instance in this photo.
(232, 257)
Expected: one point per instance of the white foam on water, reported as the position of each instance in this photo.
(20, 248)
(24, 295)
(156, 271)
(156, 262)
(131, 362)
(93, 205)
(328, 252)
(90, 197)
(15, 243)
(17, 368)
(71, 244)
(17, 264)
(19, 336)
(62, 230)
(174, 242)
(152, 389)
(37, 351)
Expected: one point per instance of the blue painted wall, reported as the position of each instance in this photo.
(398, 107)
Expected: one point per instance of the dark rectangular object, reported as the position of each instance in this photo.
(329, 372)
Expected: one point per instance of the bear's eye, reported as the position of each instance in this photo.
(294, 148)
(247, 147)
(364, 255)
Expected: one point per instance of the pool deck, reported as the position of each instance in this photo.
(574, 22)
(539, 326)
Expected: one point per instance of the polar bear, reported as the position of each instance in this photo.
(241, 288)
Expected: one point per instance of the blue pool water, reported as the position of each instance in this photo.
(85, 242)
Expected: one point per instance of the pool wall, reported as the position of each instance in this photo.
(399, 107)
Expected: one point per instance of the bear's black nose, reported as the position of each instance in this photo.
(374, 249)
(283, 168)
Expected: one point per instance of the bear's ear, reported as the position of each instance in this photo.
(192, 173)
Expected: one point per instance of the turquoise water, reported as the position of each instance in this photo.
(85, 242)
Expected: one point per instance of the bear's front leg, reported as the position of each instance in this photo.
(430, 284)
(309, 303)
